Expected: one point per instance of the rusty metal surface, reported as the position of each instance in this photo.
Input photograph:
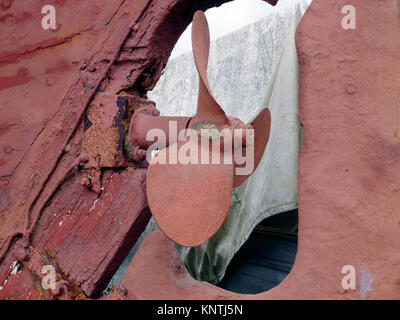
(66, 100)
(158, 263)
(348, 168)
(54, 155)
(348, 164)
(143, 121)
(262, 127)
(85, 236)
(190, 201)
(207, 108)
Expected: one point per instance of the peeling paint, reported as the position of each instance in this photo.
(94, 205)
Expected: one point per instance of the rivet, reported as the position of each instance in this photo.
(351, 89)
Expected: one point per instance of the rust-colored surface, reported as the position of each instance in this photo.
(84, 236)
(159, 257)
(348, 171)
(66, 99)
(189, 191)
(60, 150)
(262, 128)
(142, 123)
(189, 201)
(207, 108)
(70, 65)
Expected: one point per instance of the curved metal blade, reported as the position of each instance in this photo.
(262, 127)
(207, 108)
(188, 201)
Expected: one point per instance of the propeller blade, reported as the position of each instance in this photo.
(207, 108)
(262, 127)
(189, 201)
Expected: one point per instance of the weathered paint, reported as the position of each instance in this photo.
(54, 132)
(349, 107)
(348, 169)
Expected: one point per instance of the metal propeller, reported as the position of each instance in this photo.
(190, 200)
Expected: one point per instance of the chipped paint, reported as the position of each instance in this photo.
(15, 267)
(94, 205)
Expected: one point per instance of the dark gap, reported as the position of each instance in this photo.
(266, 258)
